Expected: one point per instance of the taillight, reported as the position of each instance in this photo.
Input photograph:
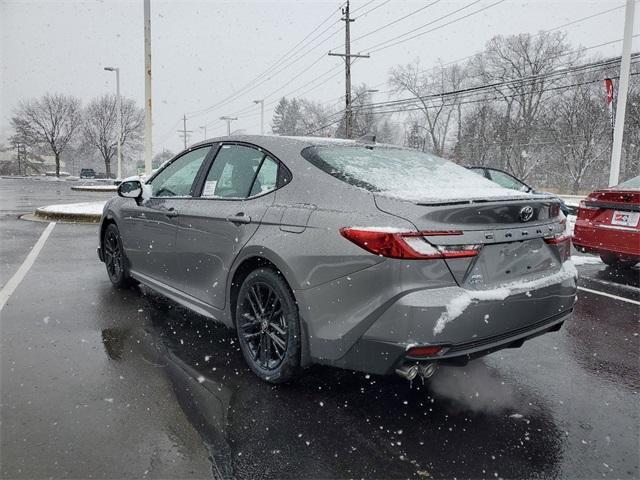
(406, 245)
(555, 240)
(586, 212)
(563, 241)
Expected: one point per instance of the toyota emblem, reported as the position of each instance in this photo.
(526, 213)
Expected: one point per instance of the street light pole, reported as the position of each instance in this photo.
(148, 140)
(118, 118)
(261, 102)
(228, 120)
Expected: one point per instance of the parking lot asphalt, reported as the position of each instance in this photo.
(104, 383)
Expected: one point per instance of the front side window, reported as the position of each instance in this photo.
(177, 178)
(239, 171)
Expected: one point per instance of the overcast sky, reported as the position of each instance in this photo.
(204, 51)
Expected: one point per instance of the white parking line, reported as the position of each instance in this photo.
(14, 281)
(604, 294)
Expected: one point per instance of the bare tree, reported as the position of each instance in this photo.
(517, 66)
(477, 138)
(316, 118)
(427, 86)
(363, 118)
(580, 129)
(50, 120)
(101, 131)
(631, 142)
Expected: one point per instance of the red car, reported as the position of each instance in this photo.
(608, 223)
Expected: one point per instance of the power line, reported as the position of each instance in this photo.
(396, 21)
(502, 83)
(381, 46)
(541, 32)
(292, 51)
(485, 99)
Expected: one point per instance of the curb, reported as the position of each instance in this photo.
(41, 214)
(95, 188)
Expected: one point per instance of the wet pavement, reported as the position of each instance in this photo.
(101, 383)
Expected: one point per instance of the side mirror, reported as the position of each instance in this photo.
(130, 189)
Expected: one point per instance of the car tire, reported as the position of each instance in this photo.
(268, 326)
(615, 261)
(114, 258)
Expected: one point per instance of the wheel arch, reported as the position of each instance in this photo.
(251, 261)
(107, 220)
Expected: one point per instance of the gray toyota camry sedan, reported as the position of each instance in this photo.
(346, 253)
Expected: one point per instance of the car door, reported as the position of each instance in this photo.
(214, 226)
(149, 228)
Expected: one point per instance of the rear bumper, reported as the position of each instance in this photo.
(605, 239)
(395, 355)
(366, 325)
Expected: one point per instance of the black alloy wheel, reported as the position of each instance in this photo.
(114, 258)
(268, 326)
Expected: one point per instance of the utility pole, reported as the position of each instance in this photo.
(347, 67)
(184, 130)
(148, 143)
(618, 131)
(204, 127)
(228, 120)
(261, 102)
(118, 118)
(18, 149)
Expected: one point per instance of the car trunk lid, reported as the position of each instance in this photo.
(511, 236)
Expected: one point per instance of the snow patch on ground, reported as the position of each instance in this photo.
(585, 260)
(572, 200)
(571, 224)
(458, 305)
(106, 188)
(86, 208)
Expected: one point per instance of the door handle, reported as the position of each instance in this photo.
(239, 218)
(172, 212)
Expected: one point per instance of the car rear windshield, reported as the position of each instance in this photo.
(631, 184)
(403, 173)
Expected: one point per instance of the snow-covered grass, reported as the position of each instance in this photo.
(85, 208)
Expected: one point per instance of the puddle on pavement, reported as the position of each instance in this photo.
(338, 423)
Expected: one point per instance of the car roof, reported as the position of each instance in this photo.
(278, 142)
(290, 146)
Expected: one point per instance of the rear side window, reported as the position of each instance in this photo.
(239, 171)
(267, 177)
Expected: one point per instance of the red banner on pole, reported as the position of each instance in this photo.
(608, 85)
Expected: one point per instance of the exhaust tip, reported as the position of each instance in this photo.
(427, 370)
(408, 372)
